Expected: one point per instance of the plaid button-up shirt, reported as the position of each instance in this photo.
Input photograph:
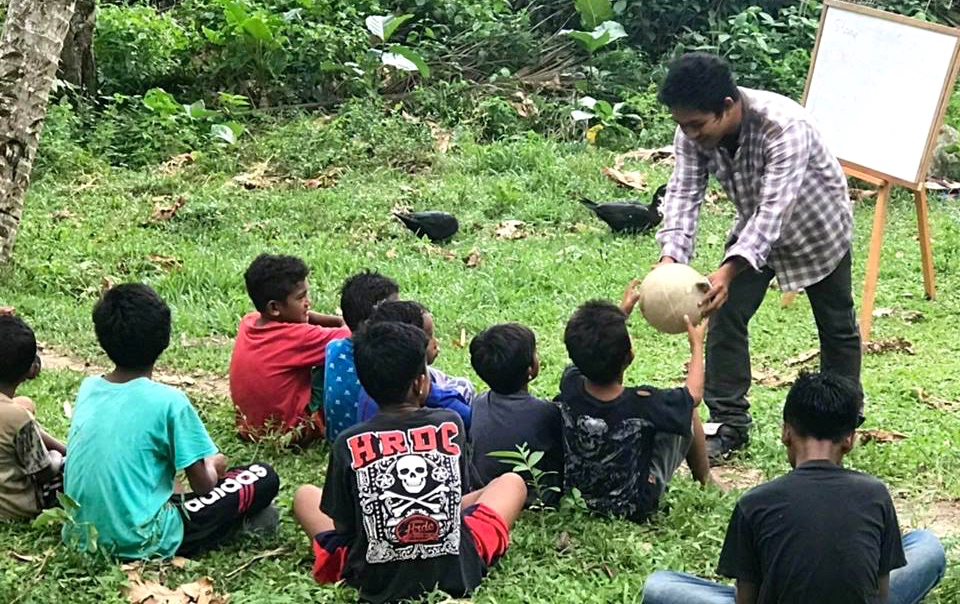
(793, 210)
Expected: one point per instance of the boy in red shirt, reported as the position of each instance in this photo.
(276, 351)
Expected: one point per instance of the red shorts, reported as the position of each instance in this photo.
(490, 536)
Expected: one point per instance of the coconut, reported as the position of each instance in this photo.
(669, 292)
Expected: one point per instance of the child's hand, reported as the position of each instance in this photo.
(220, 464)
(695, 333)
(7, 310)
(630, 296)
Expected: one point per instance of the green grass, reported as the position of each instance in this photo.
(567, 258)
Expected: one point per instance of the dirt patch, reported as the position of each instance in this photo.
(942, 517)
(737, 477)
(198, 382)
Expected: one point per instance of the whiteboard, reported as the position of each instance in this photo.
(877, 87)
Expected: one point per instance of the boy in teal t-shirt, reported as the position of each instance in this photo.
(149, 432)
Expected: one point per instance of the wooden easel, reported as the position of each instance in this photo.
(876, 245)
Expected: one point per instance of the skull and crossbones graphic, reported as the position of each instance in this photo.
(412, 471)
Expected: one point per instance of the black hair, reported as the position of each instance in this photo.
(400, 311)
(389, 356)
(502, 356)
(18, 349)
(132, 324)
(698, 81)
(823, 406)
(597, 341)
(361, 293)
(272, 277)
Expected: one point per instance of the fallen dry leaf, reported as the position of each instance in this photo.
(391, 254)
(328, 178)
(880, 436)
(474, 259)
(626, 178)
(934, 402)
(106, 284)
(942, 184)
(912, 316)
(22, 557)
(788, 298)
(256, 177)
(882, 312)
(861, 194)
(524, 105)
(441, 136)
(177, 162)
(179, 562)
(890, 345)
(562, 542)
(650, 155)
(201, 591)
(772, 379)
(163, 212)
(803, 358)
(714, 196)
(166, 263)
(64, 214)
(511, 229)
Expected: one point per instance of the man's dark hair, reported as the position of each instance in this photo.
(361, 293)
(389, 356)
(823, 406)
(502, 355)
(272, 277)
(132, 324)
(698, 81)
(399, 311)
(18, 349)
(597, 341)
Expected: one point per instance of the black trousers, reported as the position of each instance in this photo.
(728, 374)
(211, 520)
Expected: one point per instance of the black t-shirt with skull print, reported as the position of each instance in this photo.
(394, 487)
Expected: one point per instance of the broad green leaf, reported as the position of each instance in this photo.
(67, 502)
(161, 101)
(406, 59)
(224, 133)
(198, 111)
(579, 116)
(593, 12)
(214, 37)
(506, 455)
(383, 26)
(234, 13)
(588, 41)
(588, 101)
(614, 29)
(534, 458)
(54, 516)
(619, 6)
(237, 128)
(256, 27)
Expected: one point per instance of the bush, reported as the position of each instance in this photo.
(137, 48)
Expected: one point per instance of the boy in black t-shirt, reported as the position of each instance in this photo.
(393, 520)
(820, 533)
(623, 444)
(505, 357)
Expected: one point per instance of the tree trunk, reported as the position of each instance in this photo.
(30, 48)
(77, 64)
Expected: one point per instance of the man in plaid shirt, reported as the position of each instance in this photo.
(794, 221)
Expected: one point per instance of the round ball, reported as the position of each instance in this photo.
(669, 292)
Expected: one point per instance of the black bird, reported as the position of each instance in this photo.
(438, 226)
(629, 216)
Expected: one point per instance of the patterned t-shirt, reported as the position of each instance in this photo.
(341, 388)
(603, 443)
(22, 457)
(394, 487)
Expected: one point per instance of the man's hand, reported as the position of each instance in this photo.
(720, 281)
(630, 296)
(7, 310)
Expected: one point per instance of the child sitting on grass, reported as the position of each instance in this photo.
(438, 396)
(129, 436)
(341, 398)
(623, 443)
(820, 533)
(272, 379)
(505, 357)
(392, 519)
(30, 459)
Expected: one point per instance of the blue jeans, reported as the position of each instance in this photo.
(926, 563)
